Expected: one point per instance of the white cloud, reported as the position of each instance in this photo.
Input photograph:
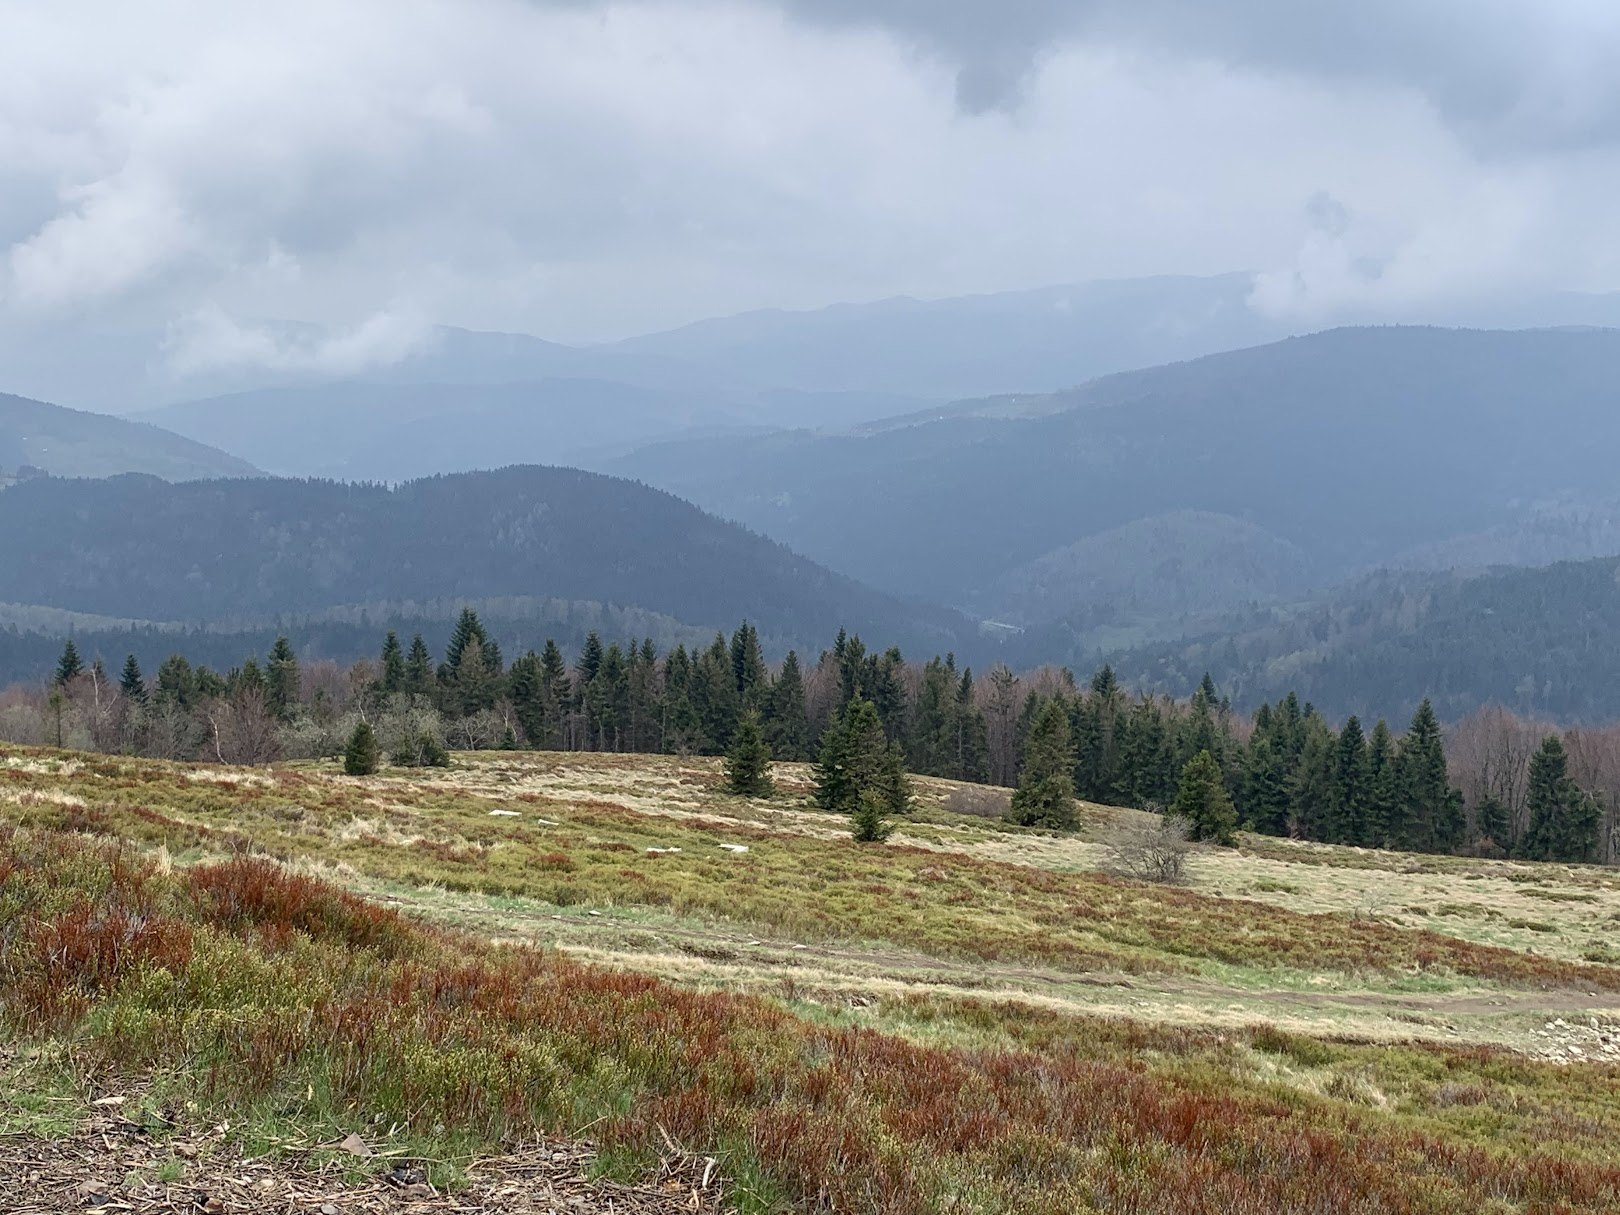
(590, 169)
(209, 340)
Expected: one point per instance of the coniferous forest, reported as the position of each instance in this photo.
(1492, 785)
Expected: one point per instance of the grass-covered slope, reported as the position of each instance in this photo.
(76, 443)
(185, 934)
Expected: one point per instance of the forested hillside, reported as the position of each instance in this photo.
(245, 552)
(867, 717)
(1541, 641)
(1354, 447)
(73, 443)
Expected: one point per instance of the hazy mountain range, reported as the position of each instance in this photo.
(240, 554)
(1229, 497)
(1324, 456)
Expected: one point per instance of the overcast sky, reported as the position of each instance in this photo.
(585, 170)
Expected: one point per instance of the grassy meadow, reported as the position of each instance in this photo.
(970, 1018)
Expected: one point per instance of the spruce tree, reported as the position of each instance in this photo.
(472, 674)
(590, 658)
(894, 783)
(933, 725)
(748, 759)
(132, 681)
(854, 757)
(1347, 823)
(683, 729)
(1265, 788)
(1203, 802)
(1383, 788)
(1045, 793)
(1564, 818)
(1147, 758)
(176, 681)
(1432, 816)
(972, 734)
(748, 667)
(468, 629)
(419, 668)
(868, 824)
(714, 693)
(1491, 825)
(362, 757)
(787, 726)
(70, 666)
(1311, 784)
(393, 665)
(281, 680)
(247, 678)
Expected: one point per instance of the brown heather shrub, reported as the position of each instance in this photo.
(248, 893)
(370, 1012)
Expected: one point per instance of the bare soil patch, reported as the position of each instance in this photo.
(115, 1167)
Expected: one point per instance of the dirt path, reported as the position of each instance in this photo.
(114, 1167)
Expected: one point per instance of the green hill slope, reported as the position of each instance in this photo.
(76, 443)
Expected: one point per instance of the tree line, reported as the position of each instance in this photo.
(1283, 771)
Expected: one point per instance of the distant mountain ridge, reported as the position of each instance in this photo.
(75, 443)
(1354, 446)
(138, 548)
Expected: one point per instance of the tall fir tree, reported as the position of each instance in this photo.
(176, 682)
(392, 679)
(1097, 722)
(536, 712)
(854, 757)
(748, 759)
(933, 733)
(281, 680)
(419, 668)
(972, 733)
(1045, 793)
(1383, 788)
(69, 666)
(683, 729)
(472, 674)
(646, 700)
(1564, 818)
(748, 667)
(1202, 801)
(714, 694)
(1347, 822)
(132, 682)
(1430, 814)
(362, 756)
(1311, 783)
(1147, 757)
(1265, 787)
(787, 725)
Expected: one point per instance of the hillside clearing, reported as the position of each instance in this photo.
(972, 1019)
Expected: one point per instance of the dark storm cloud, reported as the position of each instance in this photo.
(1516, 75)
